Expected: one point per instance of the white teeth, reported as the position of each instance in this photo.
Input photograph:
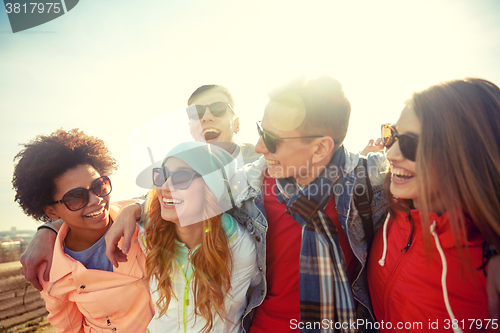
(272, 162)
(172, 201)
(94, 214)
(211, 130)
(400, 172)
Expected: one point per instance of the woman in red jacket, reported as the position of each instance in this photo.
(427, 269)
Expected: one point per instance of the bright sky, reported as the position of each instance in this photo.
(107, 67)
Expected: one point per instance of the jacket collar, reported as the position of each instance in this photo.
(444, 230)
(255, 173)
(61, 265)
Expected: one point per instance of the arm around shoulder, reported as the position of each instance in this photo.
(377, 168)
(40, 251)
(124, 225)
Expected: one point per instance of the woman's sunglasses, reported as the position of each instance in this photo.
(78, 198)
(181, 179)
(270, 140)
(407, 143)
(217, 109)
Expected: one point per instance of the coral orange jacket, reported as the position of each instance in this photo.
(87, 300)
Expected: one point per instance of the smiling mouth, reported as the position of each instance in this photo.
(95, 214)
(211, 134)
(172, 202)
(401, 175)
(269, 162)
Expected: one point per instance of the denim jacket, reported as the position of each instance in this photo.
(250, 212)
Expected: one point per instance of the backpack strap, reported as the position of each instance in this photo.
(363, 195)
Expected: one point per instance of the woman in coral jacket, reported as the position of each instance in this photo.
(64, 176)
(427, 270)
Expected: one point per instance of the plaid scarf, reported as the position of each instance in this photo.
(325, 291)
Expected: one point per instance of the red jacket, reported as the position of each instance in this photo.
(406, 288)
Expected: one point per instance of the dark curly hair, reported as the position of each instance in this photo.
(49, 156)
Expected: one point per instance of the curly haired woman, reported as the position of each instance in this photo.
(64, 176)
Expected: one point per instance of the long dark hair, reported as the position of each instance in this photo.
(458, 157)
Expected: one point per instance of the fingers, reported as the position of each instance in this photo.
(493, 287)
(370, 143)
(46, 273)
(31, 275)
(493, 301)
(121, 257)
(124, 226)
(127, 237)
(118, 256)
(112, 247)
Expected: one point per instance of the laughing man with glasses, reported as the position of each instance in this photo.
(310, 239)
(212, 118)
(299, 208)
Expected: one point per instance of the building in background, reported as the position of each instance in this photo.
(13, 243)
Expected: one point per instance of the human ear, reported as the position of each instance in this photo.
(236, 125)
(191, 130)
(324, 149)
(50, 211)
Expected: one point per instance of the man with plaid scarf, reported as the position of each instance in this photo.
(310, 240)
(298, 207)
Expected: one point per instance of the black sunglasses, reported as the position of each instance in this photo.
(407, 143)
(217, 109)
(181, 179)
(78, 198)
(271, 140)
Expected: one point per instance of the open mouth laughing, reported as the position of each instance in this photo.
(170, 202)
(98, 214)
(272, 164)
(401, 175)
(211, 134)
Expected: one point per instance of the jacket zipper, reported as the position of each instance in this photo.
(112, 287)
(408, 243)
(185, 300)
(108, 322)
(398, 268)
(186, 292)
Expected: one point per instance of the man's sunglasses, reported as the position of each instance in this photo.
(217, 109)
(78, 198)
(181, 179)
(407, 143)
(271, 140)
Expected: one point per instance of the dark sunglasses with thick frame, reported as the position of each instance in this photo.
(271, 140)
(217, 109)
(78, 198)
(408, 143)
(181, 179)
